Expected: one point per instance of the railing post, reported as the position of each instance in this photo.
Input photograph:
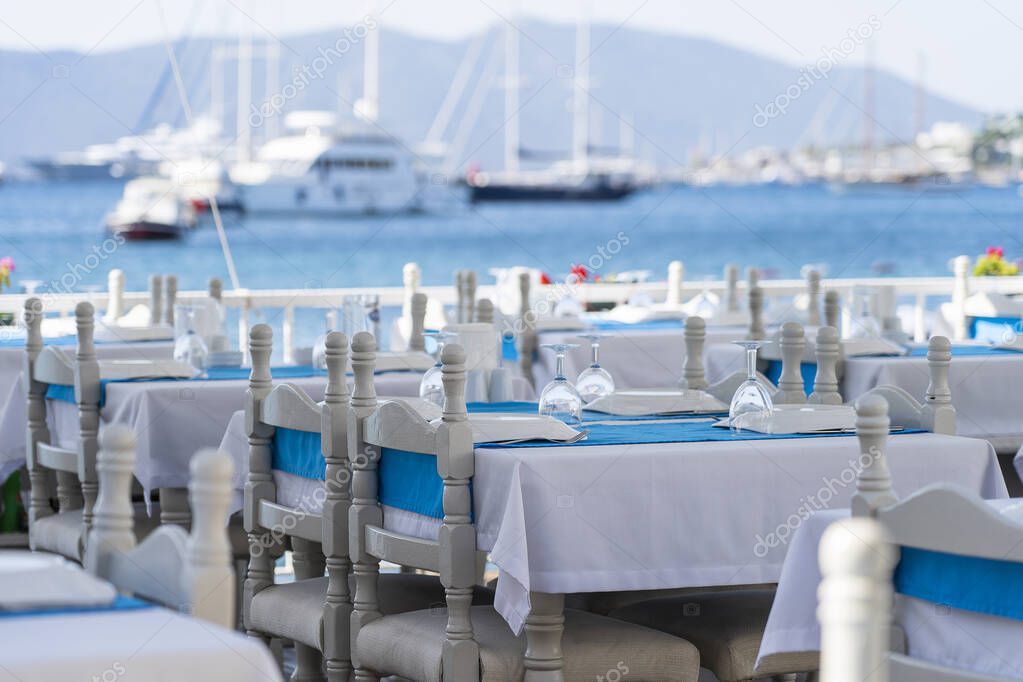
(243, 326)
(920, 318)
(288, 333)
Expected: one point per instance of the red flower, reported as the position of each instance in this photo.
(544, 279)
(580, 272)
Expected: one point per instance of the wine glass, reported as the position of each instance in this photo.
(751, 404)
(863, 323)
(189, 347)
(319, 357)
(594, 381)
(559, 398)
(431, 387)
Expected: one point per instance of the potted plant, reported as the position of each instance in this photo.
(993, 264)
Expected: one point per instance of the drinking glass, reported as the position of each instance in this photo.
(189, 347)
(320, 347)
(594, 381)
(863, 324)
(559, 398)
(431, 387)
(751, 404)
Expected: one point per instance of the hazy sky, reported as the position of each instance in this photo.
(969, 47)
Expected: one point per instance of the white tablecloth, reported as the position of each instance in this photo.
(636, 358)
(146, 645)
(171, 419)
(983, 387)
(599, 518)
(952, 637)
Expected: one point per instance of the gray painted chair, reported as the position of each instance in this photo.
(464, 642)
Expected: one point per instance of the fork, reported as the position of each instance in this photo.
(574, 439)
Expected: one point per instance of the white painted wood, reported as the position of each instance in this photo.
(460, 290)
(115, 294)
(693, 376)
(289, 407)
(833, 310)
(813, 298)
(856, 558)
(416, 340)
(470, 295)
(790, 383)
(54, 367)
(53, 457)
(401, 549)
(38, 432)
(526, 330)
(278, 516)
(155, 299)
(288, 334)
(676, 275)
(411, 275)
(960, 292)
(752, 277)
(170, 288)
(485, 311)
(395, 424)
(189, 572)
(756, 312)
(874, 482)
(337, 612)
(216, 289)
(938, 413)
(87, 395)
(825, 383)
(732, 288)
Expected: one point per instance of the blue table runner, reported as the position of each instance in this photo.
(120, 603)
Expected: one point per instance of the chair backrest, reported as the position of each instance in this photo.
(693, 375)
(484, 311)
(115, 294)
(833, 310)
(676, 275)
(825, 382)
(813, 297)
(792, 342)
(155, 299)
(526, 329)
(396, 425)
(186, 571)
(216, 289)
(756, 310)
(170, 287)
(731, 288)
(936, 413)
(856, 558)
(75, 468)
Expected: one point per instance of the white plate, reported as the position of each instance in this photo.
(106, 331)
(403, 360)
(31, 580)
(145, 369)
(793, 419)
(638, 402)
(499, 427)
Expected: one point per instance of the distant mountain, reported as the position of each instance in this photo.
(677, 91)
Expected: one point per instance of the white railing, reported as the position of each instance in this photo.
(921, 289)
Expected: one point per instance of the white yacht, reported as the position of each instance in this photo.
(320, 170)
(151, 208)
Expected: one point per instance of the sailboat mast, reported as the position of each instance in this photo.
(369, 106)
(581, 99)
(511, 97)
(244, 130)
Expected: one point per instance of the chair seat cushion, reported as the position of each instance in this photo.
(726, 626)
(604, 603)
(295, 610)
(58, 533)
(63, 533)
(410, 645)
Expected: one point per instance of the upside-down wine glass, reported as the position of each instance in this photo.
(559, 398)
(751, 404)
(594, 381)
(432, 387)
(190, 348)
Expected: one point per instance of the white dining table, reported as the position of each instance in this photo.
(936, 633)
(657, 516)
(983, 387)
(144, 645)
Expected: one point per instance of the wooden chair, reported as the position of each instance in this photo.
(188, 572)
(936, 413)
(857, 557)
(314, 611)
(64, 530)
(463, 642)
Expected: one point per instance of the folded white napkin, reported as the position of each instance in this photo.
(34, 580)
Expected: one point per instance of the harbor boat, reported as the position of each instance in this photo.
(562, 181)
(151, 208)
(321, 170)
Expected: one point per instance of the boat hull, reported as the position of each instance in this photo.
(496, 192)
(140, 230)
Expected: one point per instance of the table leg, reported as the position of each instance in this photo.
(174, 507)
(544, 625)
